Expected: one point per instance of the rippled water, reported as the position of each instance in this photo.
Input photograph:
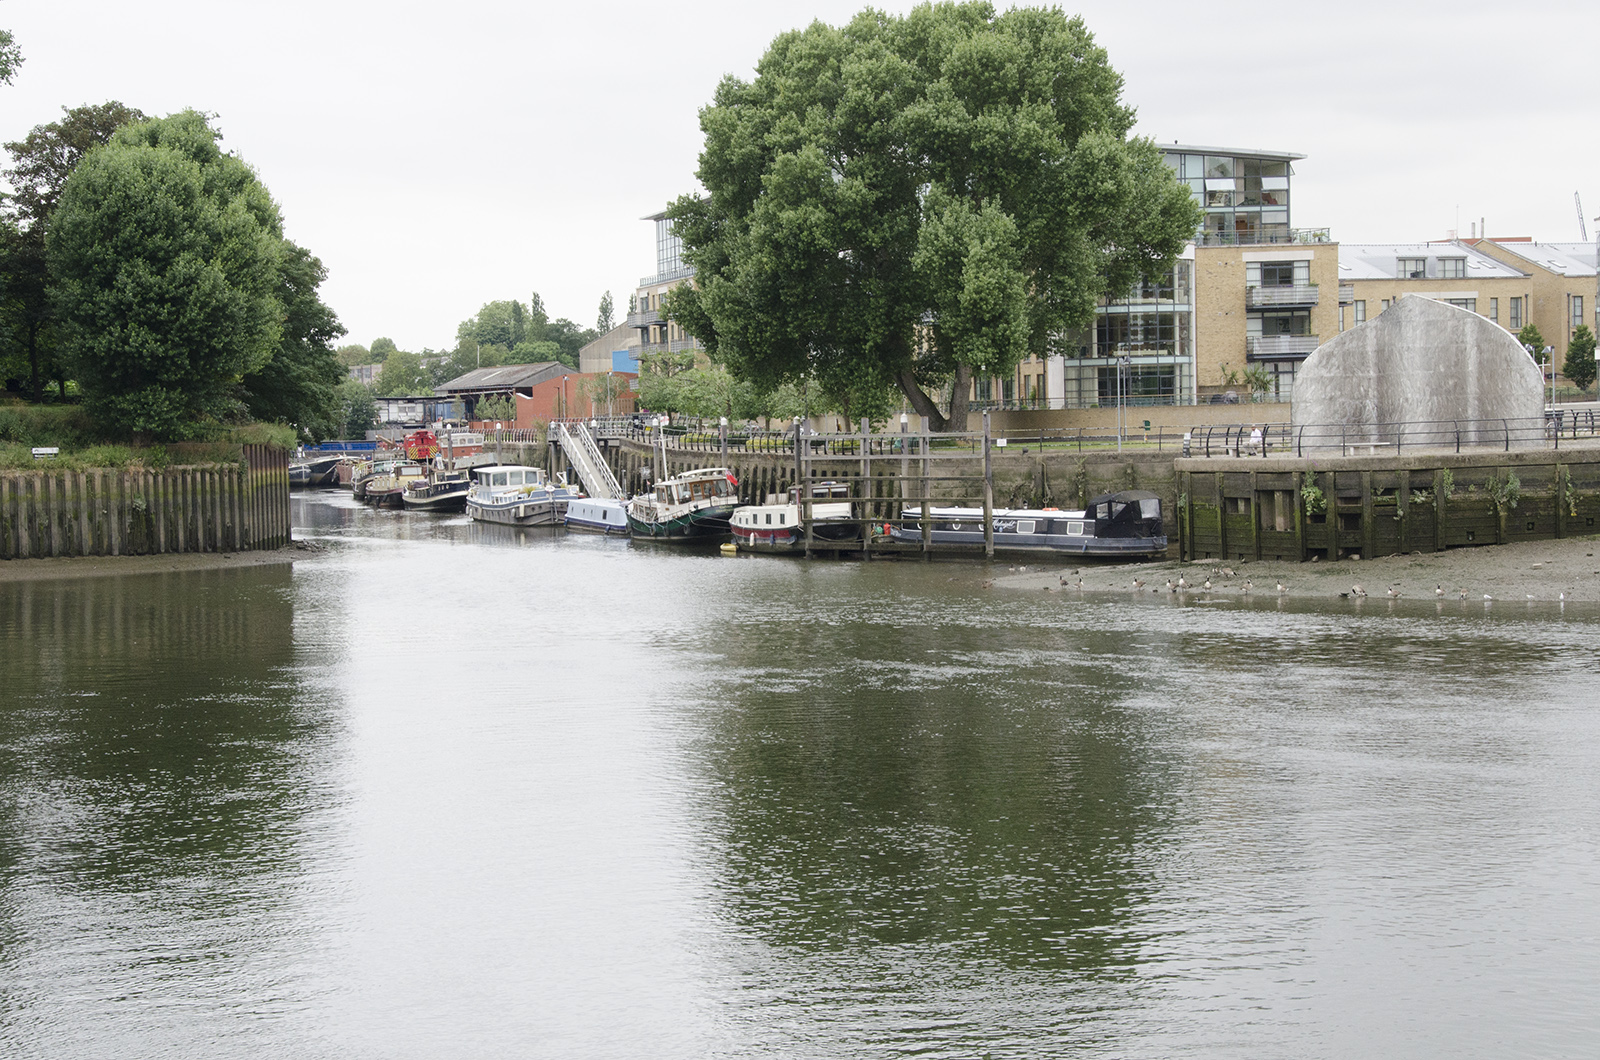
(448, 790)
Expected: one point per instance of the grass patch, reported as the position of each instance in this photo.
(84, 446)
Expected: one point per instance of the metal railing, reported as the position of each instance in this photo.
(1297, 294)
(1279, 345)
(1375, 439)
(585, 458)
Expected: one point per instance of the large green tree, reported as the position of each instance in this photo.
(41, 163)
(403, 375)
(298, 386)
(10, 57)
(165, 256)
(1579, 367)
(909, 201)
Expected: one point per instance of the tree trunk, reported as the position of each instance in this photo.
(960, 394)
(920, 402)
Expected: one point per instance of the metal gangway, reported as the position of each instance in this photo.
(584, 456)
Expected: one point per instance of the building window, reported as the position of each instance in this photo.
(1469, 304)
(1452, 268)
(1577, 310)
(1383, 305)
(1494, 310)
(1412, 268)
(1341, 318)
(1515, 320)
(1360, 311)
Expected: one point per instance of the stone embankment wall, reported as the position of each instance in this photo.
(110, 512)
(1298, 509)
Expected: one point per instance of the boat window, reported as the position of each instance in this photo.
(1025, 526)
(769, 518)
(1075, 528)
(1150, 507)
(500, 479)
(783, 518)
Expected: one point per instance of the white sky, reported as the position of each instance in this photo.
(438, 156)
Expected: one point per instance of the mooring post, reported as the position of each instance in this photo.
(866, 484)
(988, 492)
(927, 525)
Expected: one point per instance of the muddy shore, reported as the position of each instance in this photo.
(1534, 570)
(23, 570)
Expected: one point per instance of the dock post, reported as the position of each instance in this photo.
(927, 526)
(866, 484)
(988, 492)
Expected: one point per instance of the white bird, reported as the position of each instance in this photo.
(1438, 590)
(1207, 585)
(1282, 588)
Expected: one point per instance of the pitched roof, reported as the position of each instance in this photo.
(1381, 261)
(504, 377)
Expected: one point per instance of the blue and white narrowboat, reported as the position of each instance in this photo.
(1114, 525)
(598, 515)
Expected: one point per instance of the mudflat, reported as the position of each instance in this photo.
(21, 570)
(1530, 570)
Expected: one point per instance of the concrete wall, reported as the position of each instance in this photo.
(1421, 362)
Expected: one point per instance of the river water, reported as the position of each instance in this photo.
(446, 790)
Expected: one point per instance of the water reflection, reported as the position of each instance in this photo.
(157, 757)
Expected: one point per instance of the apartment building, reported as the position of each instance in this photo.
(1562, 287)
(1512, 282)
(657, 334)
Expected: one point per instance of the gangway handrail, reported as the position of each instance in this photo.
(578, 445)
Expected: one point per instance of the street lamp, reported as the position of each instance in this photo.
(1123, 362)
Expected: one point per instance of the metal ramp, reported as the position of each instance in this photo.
(584, 456)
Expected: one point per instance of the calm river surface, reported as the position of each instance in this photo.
(454, 791)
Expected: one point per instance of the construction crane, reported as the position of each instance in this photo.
(1583, 229)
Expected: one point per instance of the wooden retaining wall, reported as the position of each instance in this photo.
(1244, 508)
(108, 512)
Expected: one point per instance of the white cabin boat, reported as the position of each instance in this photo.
(517, 495)
(692, 506)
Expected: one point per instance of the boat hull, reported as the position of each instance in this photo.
(451, 501)
(1035, 544)
(533, 511)
(703, 524)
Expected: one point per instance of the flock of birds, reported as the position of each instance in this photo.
(1183, 585)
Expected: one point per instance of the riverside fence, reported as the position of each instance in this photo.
(115, 512)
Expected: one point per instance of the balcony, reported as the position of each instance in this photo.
(1278, 347)
(682, 272)
(1347, 293)
(1272, 297)
(643, 318)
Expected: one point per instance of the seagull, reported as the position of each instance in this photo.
(1562, 597)
(1487, 598)
(1356, 590)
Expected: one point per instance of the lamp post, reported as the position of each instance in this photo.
(1123, 361)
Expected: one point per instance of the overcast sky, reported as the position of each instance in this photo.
(437, 156)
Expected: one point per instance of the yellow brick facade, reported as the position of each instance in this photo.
(1550, 294)
(1223, 311)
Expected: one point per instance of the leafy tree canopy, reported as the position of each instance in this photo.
(906, 201)
(298, 385)
(403, 375)
(164, 253)
(352, 354)
(382, 348)
(604, 322)
(1579, 367)
(1529, 336)
(357, 411)
(10, 57)
(41, 163)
